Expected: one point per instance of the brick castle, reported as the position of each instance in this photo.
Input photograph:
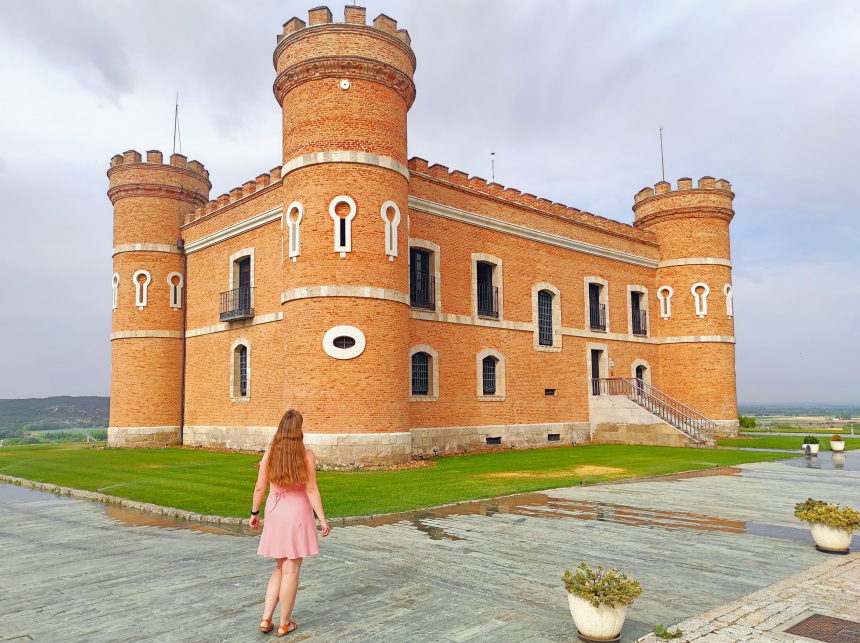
(406, 308)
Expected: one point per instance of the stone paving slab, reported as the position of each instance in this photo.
(76, 570)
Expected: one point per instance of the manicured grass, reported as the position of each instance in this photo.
(221, 483)
(786, 442)
(808, 430)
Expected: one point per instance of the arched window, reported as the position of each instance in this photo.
(141, 280)
(420, 374)
(489, 375)
(490, 371)
(545, 318)
(175, 283)
(342, 225)
(243, 371)
(115, 283)
(664, 294)
(730, 305)
(390, 228)
(701, 298)
(295, 214)
(240, 376)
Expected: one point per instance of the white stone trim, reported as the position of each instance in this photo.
(344, 156)
(436, 259)
(363, 292)
(391, 226)
(433, 393)
(641, 362)
(531, 234)
(730, 300)
(604, 299)
(360, 448)
(234, 370)
(115, 290)
(141, 289)
(556, 317)
(704, 339)
(344, 353)
(603, 366)
(235, 258)
(240, 323)
(293, 229)
(175, 290)
(499, 395)
(132, 334)
(236, 229)
(701, 300)
(498, 281)
(643, 305)
(145, 247)
(695, 261)
(342, 248)
(665, 301)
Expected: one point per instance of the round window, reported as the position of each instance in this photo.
(344, 342)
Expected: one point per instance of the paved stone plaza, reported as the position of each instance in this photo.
(75, 570)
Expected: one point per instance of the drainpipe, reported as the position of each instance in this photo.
(180, 243)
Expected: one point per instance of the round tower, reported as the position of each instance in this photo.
(694, 289)
(150, 200)
(345, 90)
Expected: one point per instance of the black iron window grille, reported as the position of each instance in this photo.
(489, 375)
(488, 300)
(422, 287)
(237, 303)
(640, 322)
(420, 374)
(597, 316)
(243, 371)
(544, 318)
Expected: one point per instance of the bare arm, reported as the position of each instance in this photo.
(313, 491)
(260, 490)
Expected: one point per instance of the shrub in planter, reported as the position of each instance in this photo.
(810, 444)
(831, 526)
(837, 443)
(599, 600)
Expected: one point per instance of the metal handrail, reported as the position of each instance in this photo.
(597, 316)
(640, 322)
(237, 303)
(664, 406)
(488, 300)
(422, 292)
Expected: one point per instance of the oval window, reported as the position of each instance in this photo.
(344, 342)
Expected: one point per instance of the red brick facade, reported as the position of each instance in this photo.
(201, 373)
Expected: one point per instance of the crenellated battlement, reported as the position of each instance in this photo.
(352, 16)
(684, 184)
(154, 157)
(513, 195)
(272, 177)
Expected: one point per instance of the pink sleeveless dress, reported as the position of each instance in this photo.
(289, 528)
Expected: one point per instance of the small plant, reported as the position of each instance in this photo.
(610, 588)
(836, 438)
(827, 514)
(663, 633)
(810, 439)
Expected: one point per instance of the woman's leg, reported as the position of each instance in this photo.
(289, 587)
(273, 590)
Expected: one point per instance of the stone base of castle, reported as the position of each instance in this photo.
(143, 437)
(728, 428)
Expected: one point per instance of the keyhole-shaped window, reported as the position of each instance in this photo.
(730, 305)
(664, 294)
(342, 224)
(701, 298)
(295, 214)
(391, 226)
(141, 279)
(115, 288)
(175, 283)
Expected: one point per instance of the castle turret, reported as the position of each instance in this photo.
(345, 90)
(694, 288)
(150, 201)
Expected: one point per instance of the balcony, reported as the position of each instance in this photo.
(597, 317)
(422, 292)
(640, 323)
(488, 301)
(237, 304)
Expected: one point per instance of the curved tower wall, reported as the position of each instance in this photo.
(697, 358)
(150, 200)
(345, 90)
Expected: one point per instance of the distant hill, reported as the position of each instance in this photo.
(51, 413)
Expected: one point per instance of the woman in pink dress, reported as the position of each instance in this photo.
(290, 531)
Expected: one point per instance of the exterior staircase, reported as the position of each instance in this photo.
(700, 430)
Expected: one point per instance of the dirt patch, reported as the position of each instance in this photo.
(582, 471)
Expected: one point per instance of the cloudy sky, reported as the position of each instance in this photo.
(570, 96)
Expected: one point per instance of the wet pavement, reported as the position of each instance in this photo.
(75, 570)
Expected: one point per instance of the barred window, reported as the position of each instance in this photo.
(243, 371)
(489, 372)
(545, 318)
(420, 374)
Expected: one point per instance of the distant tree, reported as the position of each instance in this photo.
(746, 422)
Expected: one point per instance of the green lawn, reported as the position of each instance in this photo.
(809, 430)
(786, 442)
(221, 483)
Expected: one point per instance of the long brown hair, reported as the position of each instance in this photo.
(286, 464)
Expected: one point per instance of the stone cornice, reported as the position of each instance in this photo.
(145, 247)
(346, 29)
(695, 261)
(707, 212)
(344, 156)
(154, 166)
(361, 292)
(237, 228)
(354, 67)
(156, 190)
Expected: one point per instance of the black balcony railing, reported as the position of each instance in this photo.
(597, 317)
(237, 303)
(488, 300)
(422, 292)
(640, 322)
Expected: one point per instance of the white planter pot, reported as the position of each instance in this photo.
(602, 622)
(810, 449)
(837, 445)
(830, 538)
